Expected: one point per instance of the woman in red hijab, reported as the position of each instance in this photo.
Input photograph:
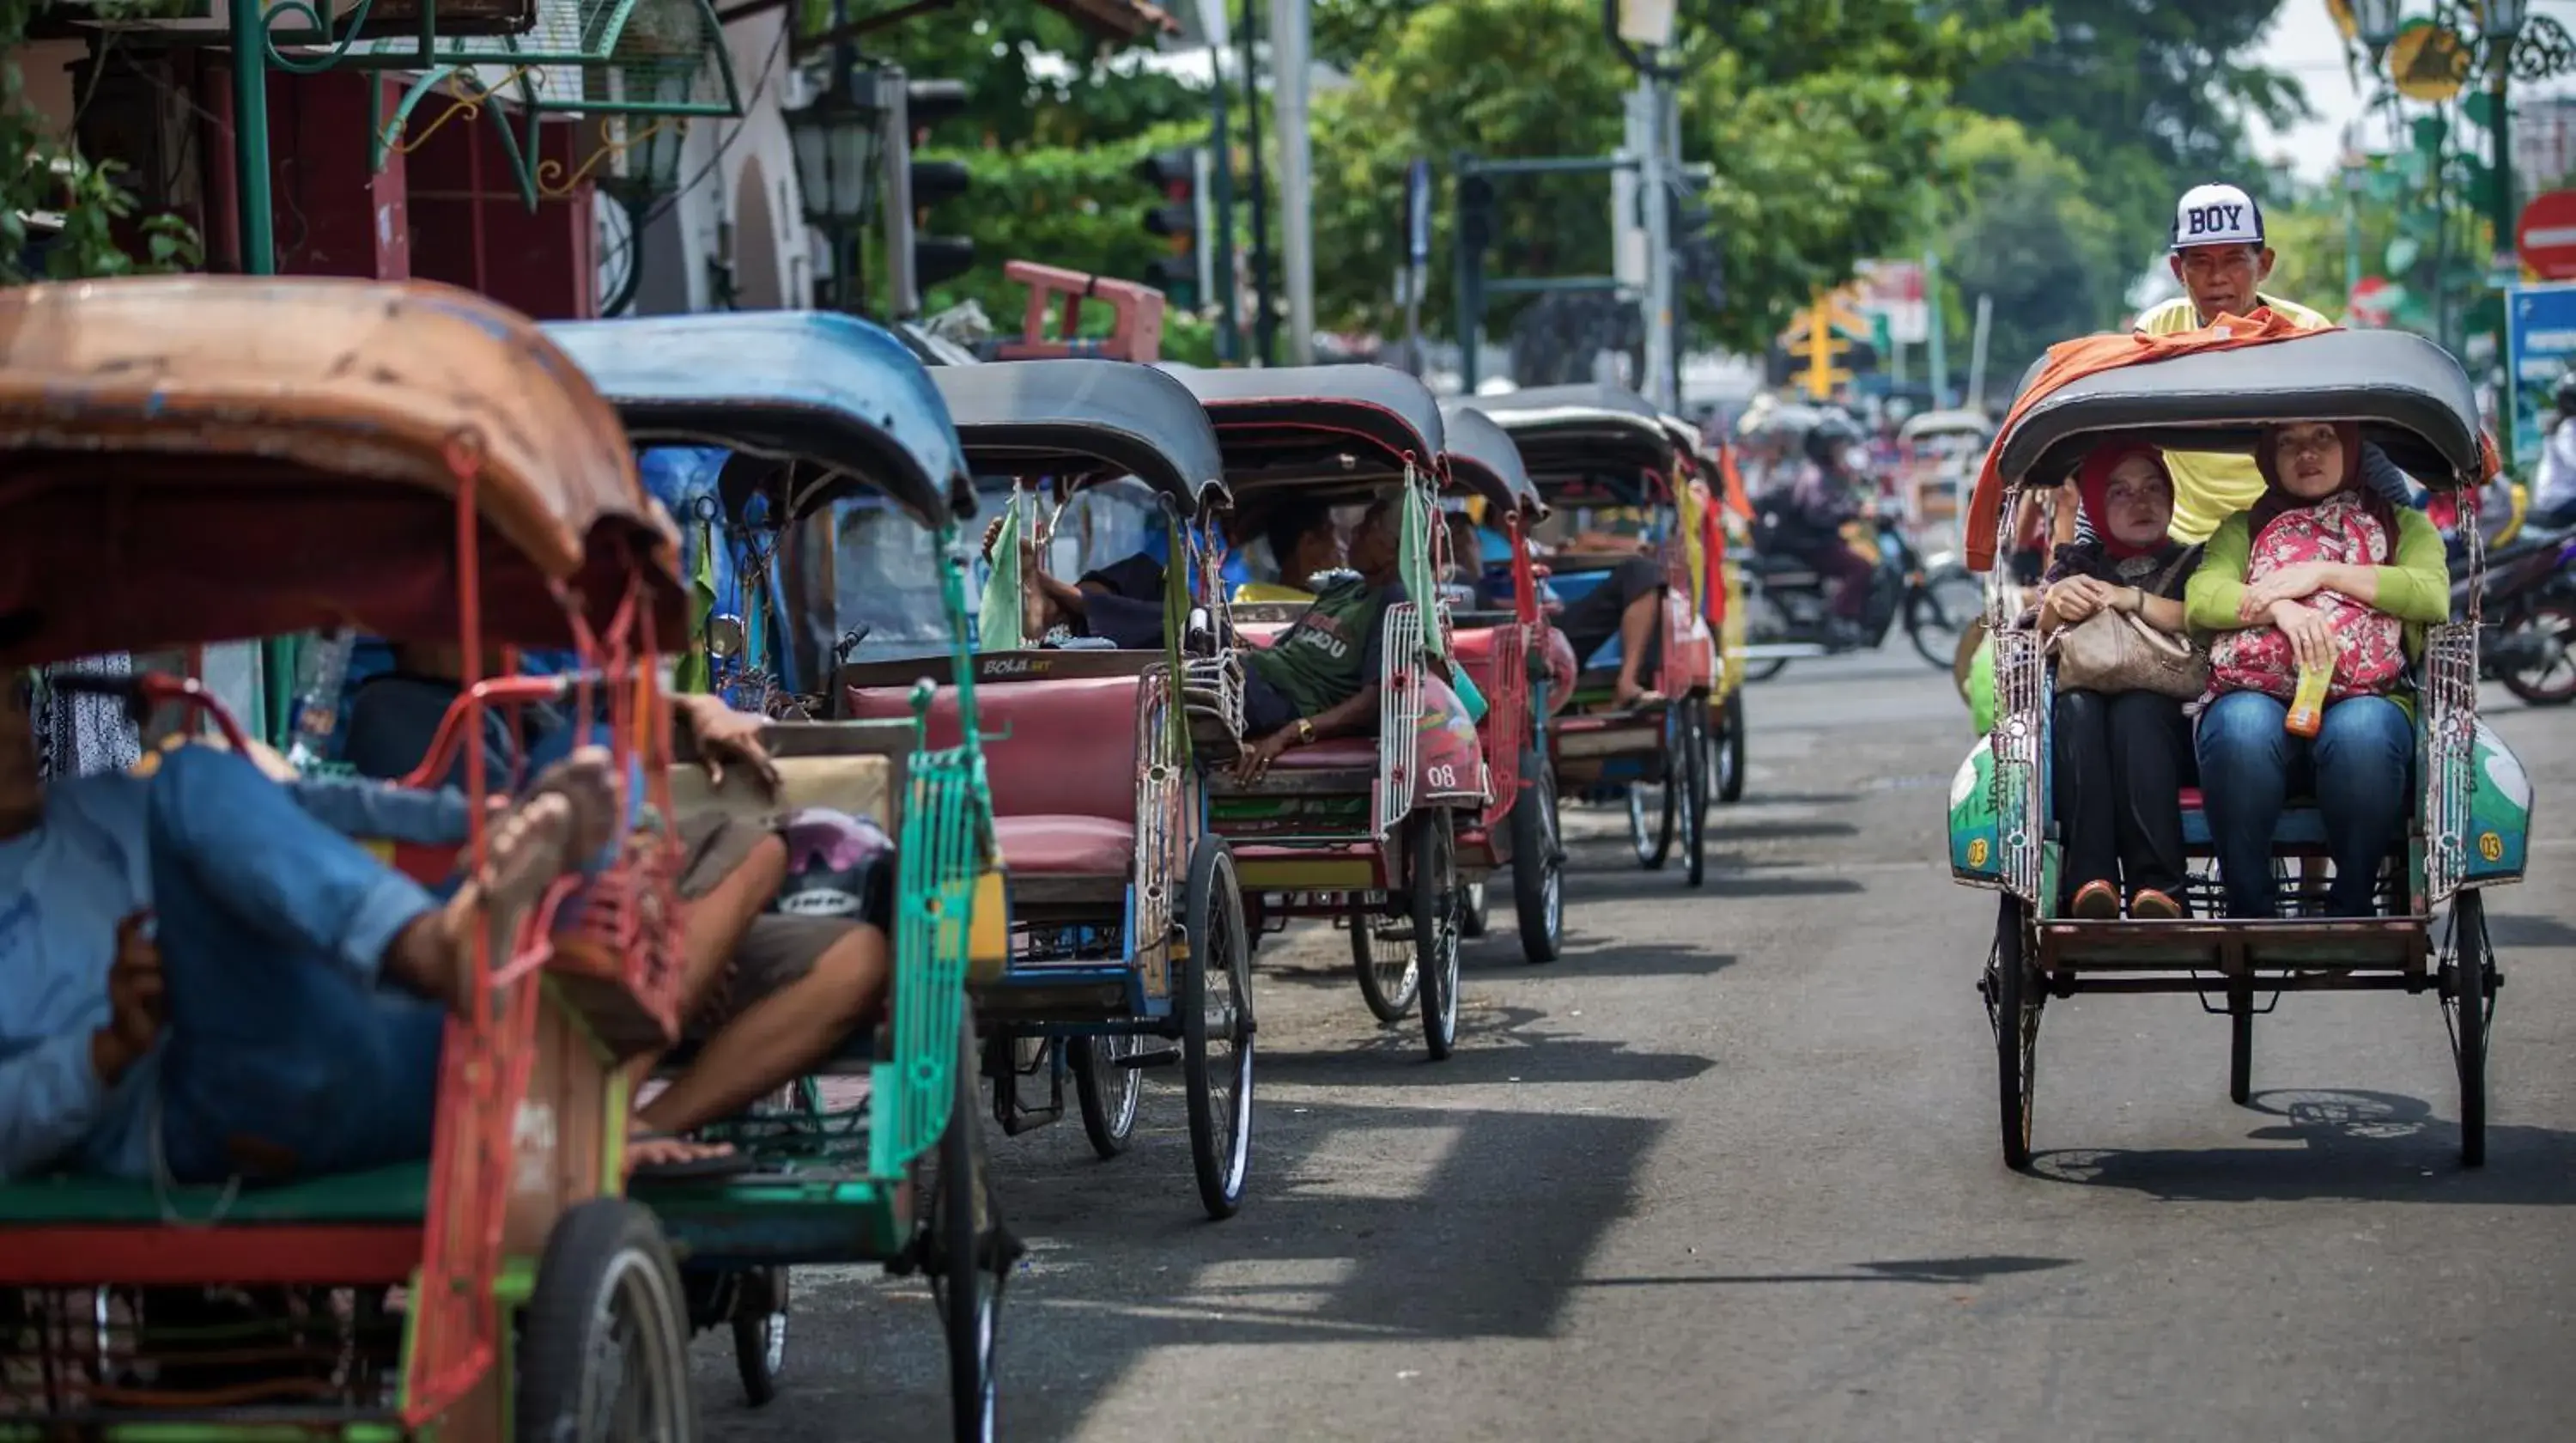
(2121, 758)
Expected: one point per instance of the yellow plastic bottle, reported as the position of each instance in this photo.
(2308, 704)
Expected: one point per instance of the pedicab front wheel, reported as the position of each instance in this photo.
(1694, 778)
(603, 1347)
(1538, 862)
(1215, 1000)
(1108, 1092)
(968, 1253)
(2468, 994)
(2014, 996)
(1431, 859)
(1727, 749)
(760, 1333)
(1382, 955)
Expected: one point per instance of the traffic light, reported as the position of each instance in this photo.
(1176, 174)
(1699, 261)
(1475, 215)
(915, 261)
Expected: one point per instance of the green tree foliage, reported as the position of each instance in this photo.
(2146, 99)
(1056, 128)
(1816, 119)
(2019, 228)
(89, 213)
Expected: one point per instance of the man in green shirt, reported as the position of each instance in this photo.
(1320, 678)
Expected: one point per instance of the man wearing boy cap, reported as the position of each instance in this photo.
(2218, 252)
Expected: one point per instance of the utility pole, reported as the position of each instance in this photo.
(1288, 78)
(1229, 340)
(1939, 359)
(1265, 317)
(1641, 31)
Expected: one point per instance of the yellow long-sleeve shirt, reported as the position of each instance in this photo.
(2211, 486)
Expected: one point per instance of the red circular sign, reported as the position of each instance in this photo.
(2546, 236)
(2370, 301)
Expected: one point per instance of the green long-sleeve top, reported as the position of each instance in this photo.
(2415, 587)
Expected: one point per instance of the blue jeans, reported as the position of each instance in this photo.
(271, 928)
(2359, 766)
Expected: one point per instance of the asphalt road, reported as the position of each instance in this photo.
(1729, 1170)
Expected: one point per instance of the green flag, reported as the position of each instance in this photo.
(692, 674)
(1000, 619)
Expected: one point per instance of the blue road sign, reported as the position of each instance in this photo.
(2540, 341)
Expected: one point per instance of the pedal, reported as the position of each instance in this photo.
(1164, 1057)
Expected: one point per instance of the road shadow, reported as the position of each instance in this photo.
(1489, 1241)
(2523, 929)
(1635, 884)
(1495, 1044)
(1721, 830)
(2356, 1145)
(1639, 960)
(1943, 1272)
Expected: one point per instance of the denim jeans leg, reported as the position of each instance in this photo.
(2365, 755)
(277, 1036)
(2245, 758)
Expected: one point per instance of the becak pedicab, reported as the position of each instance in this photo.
(1127, 934)
(429, 1240)
(2425, 928)
(1712, 495)
(1356, 766)
(1510, 655)
(1636, 728)
(840, 411)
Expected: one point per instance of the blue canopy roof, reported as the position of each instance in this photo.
(809, 387)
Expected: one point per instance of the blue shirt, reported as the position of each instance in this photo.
(64, 889)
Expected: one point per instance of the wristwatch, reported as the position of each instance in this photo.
(1305, 732)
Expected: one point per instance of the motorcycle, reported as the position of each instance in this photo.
(2527, 631)
(1788, 608)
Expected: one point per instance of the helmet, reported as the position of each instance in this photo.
(837, 866)
(1829, 438)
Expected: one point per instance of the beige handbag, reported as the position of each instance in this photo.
(2116, 651)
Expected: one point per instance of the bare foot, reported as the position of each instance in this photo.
(587, 782)
(1628, 696)
(571, 815)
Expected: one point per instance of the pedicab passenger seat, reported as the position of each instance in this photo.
(391, 1195)
(857, 767)
(2300, 832)
(1059, 730)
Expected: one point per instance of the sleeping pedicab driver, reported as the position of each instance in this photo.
(767, 992)
(203, 977)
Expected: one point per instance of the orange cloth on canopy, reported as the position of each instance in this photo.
(1736, 500)
(2069, 361)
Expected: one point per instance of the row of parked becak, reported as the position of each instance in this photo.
(554, 1009)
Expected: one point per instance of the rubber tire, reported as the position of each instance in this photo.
(1213, 907)
(1431, 872)
(2017, 991)
(594, 1247)
(1475, 917)
(760, 1339)
(1108, 1095)
(1926, 598)
(2565, 608)
(1729, 767)
(1384, 1005)
(1694, 799)
(2240, 1045)
(2473, 1007)
(961, 1219)
(1538, 864)
(1652, 857)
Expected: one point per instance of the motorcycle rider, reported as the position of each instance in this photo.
(2553, 485)
(1806, 521)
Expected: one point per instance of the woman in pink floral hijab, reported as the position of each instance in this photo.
(2322, 572)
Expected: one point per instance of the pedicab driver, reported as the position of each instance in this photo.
(2219, 254)
(200, 974)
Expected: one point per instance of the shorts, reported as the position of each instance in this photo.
(777, 951)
